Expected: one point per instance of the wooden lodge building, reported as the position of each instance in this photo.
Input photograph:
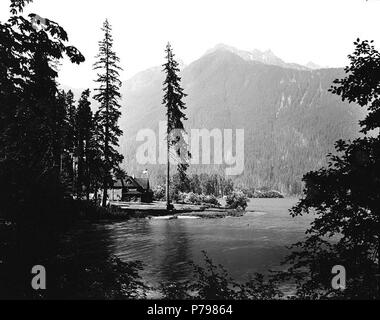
(131, 189)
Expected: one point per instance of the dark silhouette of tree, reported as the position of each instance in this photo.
(108, 96)
(345, 196)
(120, 174)
(68, 157)
(70, 122)
(175, 107)
(32, 117)
(84, 128)
(18, 5)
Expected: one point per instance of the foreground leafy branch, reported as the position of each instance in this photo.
(345, 197)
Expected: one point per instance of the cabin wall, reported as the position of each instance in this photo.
(114, 194)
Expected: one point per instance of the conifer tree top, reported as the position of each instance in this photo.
(174, 93)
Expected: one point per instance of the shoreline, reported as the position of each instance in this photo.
(157, 210)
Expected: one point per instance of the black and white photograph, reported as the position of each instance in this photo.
(176, 151)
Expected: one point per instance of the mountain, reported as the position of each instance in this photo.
(313, 66)
(290, 119)
(266, 57)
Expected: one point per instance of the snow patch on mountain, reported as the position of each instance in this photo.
(266, 57)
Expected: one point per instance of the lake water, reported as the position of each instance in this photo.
(243, 245)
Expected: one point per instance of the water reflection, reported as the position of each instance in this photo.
(176, 252)
(255, 242)
(91, 243)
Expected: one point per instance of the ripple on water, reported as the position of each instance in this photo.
(243, 245)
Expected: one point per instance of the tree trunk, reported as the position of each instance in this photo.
(168, 205)
(104, 200)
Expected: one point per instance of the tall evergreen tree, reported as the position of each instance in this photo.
(108, 95)
(175, 107)
(68, 158)
(84, 128)
(70, 119)
(95, 159)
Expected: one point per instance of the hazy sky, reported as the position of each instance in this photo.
(299, 31)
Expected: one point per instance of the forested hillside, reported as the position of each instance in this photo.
(290, 119)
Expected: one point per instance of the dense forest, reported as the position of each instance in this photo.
(53, 149)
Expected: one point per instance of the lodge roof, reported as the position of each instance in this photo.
(130, 182)
(143, 182)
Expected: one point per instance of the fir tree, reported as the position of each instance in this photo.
(95, 156)
(175, 107)
(108, 96)
(69, 157)
(84, 129)
(70, 120)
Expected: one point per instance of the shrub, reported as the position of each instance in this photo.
(213, 282)
(258, 194)
(268, 194)
(198, 199)
(174, 195)
(212, 200)
(193, 198)
(175, 291)
(273, 194)
(159, 193)
(237, 200)
(249, 192)
(181, 197)
(107, 279)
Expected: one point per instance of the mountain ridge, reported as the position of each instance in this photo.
(290, 119)
(266, 57)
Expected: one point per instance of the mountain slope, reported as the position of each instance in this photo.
(290, 119)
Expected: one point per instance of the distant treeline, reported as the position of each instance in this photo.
(251, 180)
(205, 184)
